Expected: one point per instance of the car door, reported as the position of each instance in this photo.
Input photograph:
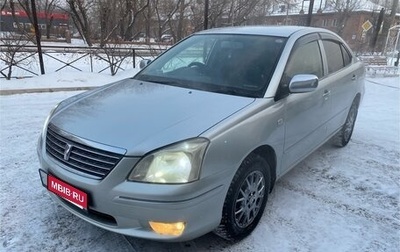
(341, 74)
(306, 114)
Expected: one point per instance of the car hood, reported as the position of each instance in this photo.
(142, 116)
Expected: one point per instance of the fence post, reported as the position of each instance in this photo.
(38, 35)
(134, 58)
(91, 61)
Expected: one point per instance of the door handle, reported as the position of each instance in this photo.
(326, 94)
(354, 77)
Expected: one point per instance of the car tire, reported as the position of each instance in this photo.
(342, 138)
(246, 199)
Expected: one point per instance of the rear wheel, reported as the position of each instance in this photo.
(342, 138)
(246, 199)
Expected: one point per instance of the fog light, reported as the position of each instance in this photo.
(175, 229)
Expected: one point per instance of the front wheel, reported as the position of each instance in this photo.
(246, 199)
(342, 138)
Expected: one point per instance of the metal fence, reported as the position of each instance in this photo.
(18, 62)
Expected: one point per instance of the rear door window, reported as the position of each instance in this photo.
(334, 55)
(346, 56)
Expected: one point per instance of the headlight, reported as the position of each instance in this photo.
(175, 164)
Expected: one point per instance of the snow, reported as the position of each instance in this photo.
(64, 80)
(338, 199)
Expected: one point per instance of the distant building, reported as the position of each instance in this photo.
(20, 22)
(348, 23)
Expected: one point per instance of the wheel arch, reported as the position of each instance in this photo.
(357, 99)
(268, 153)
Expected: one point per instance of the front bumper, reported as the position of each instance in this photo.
(126, 207)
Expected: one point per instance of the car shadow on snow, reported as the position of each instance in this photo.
(74, 234)
(207, 242)
(68, 229)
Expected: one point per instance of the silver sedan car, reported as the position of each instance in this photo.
(196, 140)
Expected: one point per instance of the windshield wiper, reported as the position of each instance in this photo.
(159, 80)
(225, 90)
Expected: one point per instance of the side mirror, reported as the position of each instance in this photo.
(303, 83)
(144, 63)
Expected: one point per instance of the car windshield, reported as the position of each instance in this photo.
(230, 64)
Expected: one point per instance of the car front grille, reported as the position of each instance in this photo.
(80, 157)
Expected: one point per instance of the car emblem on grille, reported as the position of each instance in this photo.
(67, 151)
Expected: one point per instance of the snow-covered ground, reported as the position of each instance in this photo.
(336, 200)
(63, 80)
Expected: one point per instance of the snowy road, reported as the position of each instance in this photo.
(336, 200)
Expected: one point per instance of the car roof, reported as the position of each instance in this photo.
(281, 31)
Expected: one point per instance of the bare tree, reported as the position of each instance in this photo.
(196, 10)
(165, 11)
(79, 10)
(218, 9)
(26, 6)
(3, 5)
(13, 43)
(261, 9)
(286, 6)
(343, 9)
(12, 53)
(388, 22)
(182, 20)
(148, 16)
(48, 7)
(45, 6)
(115, 55)
(26, 34)
(231, 12)
(107, 10)
(134, 8)
(114, 30)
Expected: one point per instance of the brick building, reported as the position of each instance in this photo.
(347, 24)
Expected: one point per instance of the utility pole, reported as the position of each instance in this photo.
(377, 29)
(310, 10)
(206, 14)
(37, 33)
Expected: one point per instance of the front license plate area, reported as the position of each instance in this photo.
(67, 192)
